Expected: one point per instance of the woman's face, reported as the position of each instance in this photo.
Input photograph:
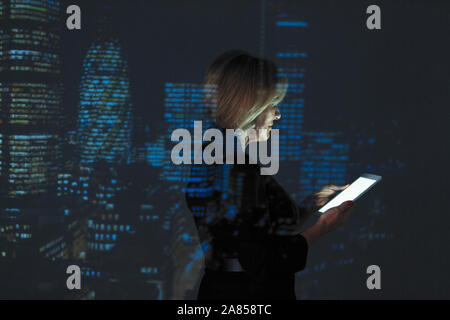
(265, 122)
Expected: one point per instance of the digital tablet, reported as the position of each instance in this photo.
(354, 191)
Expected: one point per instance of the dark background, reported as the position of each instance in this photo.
(396, 75)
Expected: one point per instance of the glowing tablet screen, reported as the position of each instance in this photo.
(353, 191)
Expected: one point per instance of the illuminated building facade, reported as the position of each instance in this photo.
(290, 56)
(151, 153)
(73, 185)
(105, 118)
(30, 97)
(54, 248)
(115, 212)
(324, 161)
(34, 233)
(104, 231)
(128, 230)
(184, 103)
(30, 117)
(310, 160)
(156, 152)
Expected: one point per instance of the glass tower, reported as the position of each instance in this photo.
(30, 97)
(105, 117)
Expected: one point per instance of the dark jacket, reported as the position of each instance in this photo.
(240, 213)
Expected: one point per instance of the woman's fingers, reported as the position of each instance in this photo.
(325, 192)
(324, 195)
(337, 188)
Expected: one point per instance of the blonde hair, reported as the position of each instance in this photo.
(243, 86)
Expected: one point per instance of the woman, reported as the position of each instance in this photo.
(249, 227)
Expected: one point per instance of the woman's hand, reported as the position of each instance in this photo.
(316, 200)
(329, 221)
(335, 217)
(326, 194)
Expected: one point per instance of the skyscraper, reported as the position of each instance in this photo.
(30, 96)
(105, 117)
(285, 30)
(184, 103)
